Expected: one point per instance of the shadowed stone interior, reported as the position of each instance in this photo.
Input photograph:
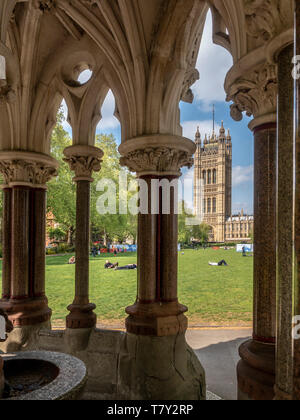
(25, 376)
(43, 376)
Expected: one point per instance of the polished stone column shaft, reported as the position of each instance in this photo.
(38, 232)
(296, 390)
(82, 315)
(83, 160)
(147, 253)
(285, 227)
(20, 243)
(6, 243)
(157, 264)
(24, 235)
(256, 370)
(265, 234)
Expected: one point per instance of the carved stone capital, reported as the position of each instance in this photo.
(265, 19)
(83, 160)
(255, 93)
(157, 155)
(27, 169)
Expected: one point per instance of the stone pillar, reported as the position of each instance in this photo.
(83, 160)
(256, 370)
(285, 225)
(161, 364)
(6, 243)
(24, 219)
(296, 390)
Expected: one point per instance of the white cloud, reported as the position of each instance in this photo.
(206, 127)
(242, 175)
(213, 64)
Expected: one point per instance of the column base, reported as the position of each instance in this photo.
(256, 371)
(27, 312)
(159, 369)
(81, 316)
(156, 319)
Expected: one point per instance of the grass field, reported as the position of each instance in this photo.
(214, 295)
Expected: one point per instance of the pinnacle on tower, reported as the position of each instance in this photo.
(198, 137)
(228, 136)
(222, 130)
(205, 140)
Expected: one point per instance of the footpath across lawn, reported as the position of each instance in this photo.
(216, 296)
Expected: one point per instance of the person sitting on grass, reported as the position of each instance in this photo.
(127, 267)
(219, 264)
(72, 260)
(108, 265)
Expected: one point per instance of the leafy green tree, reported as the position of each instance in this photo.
(62, 191)
(187, 233)
(56, 234)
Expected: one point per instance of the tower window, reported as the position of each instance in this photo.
(209, 205)
(214, 176)
(214, 205)
(204, 177)
(209, 177)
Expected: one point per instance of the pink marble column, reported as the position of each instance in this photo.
(285, 225)
(296, 385)
(256, 370)
(83, 160)
(24, 224)
(6, 243)
(157, 160)
(157, 310)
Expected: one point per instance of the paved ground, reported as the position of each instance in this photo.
(217, 350)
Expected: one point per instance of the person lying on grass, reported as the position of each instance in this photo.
(127, 267)
(108, 265)
(219, 264)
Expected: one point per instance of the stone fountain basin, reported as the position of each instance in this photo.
(44, 376)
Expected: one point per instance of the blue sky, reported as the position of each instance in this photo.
(213, 64)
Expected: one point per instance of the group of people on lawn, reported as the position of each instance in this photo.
(109, 266)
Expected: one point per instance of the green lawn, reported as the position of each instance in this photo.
(214, 295)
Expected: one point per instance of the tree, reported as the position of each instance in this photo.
(62, 190)
(56, 234)
(186, 233)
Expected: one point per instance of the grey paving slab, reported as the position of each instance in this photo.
(217, 350)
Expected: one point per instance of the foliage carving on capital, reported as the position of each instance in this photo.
(157, 160)
(267, 18)
(26, 172)
(255, 94)
(84, 166)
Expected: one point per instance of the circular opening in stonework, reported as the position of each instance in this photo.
(25, 376)
(85, 76)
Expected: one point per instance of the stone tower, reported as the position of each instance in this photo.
(213, 181)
